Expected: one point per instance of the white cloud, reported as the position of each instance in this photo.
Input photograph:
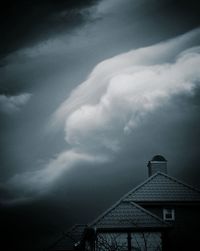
(10, 104)
(114, 100)
(129, 94)
(91, 90)
(29, 184)
(121, 90)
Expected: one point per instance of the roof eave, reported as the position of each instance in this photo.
(167, 202)
(118, 229)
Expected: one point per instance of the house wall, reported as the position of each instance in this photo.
(185, 231)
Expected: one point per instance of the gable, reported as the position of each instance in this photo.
(162, 188)
(127, 215)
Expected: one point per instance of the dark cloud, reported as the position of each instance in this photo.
(24, 23)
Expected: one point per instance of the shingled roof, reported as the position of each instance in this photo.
(161, 187)
(68, 239)
(126, 214)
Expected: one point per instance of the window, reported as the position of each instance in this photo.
(168, 214)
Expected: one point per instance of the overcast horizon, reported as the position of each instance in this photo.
(90, 91)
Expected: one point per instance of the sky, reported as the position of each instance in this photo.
(90, 91)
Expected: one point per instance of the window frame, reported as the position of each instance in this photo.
(169, 211)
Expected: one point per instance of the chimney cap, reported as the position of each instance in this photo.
(158, 158)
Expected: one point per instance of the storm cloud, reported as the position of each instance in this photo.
(118, 95)
(34, 21)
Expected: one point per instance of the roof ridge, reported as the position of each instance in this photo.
(148, 212)
(180, 182)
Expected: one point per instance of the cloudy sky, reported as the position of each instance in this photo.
(89, 91)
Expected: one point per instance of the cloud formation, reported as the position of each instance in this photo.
(29, 184)
(113, 102)
(10, 104)
(91, 90)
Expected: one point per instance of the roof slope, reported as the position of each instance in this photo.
(126, 214)
(160, 187)
(68, 239)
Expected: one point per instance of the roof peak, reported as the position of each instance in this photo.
(172, 190)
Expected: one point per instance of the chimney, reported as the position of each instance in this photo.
(157, 164)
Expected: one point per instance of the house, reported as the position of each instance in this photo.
(162, 213)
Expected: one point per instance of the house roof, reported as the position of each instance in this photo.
(68, 239)
(125, 214)
(161, 187)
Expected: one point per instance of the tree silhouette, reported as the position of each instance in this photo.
(140, 241)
